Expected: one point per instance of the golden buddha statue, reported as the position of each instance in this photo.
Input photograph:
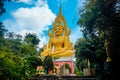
(59, 44)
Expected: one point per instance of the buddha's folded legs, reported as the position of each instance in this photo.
(64, 54)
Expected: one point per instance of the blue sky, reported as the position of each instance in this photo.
(37, 16)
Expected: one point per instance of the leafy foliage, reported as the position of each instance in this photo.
(31, 39)
(18, 59)
(94, 51)
(98, 17)
(48, 63)
(2, 9)
(2, 30)
(99, 20)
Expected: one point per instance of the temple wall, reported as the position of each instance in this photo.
(60, 63)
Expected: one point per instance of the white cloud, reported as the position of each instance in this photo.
(41, 2)
(31, 20)
(36, 18)
(75, 35)
(42, 41)
(25, 1)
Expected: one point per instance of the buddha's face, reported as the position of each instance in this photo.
(58, 30)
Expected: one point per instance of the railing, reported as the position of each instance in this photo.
(54, 77)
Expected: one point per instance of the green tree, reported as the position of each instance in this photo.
(13, 43)
(2, 30)
(30, 65)
(95, 17)
(80, 46)
(100, 19)
(48, 63)
(2, 33)
(11, 65)
(27, 50)
(31, 39)
(94, 51)
(2, 9)
(11, 36)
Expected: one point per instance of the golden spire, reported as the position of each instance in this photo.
(60, 10)
(60, 19)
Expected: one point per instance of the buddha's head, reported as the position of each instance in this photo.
(58, 29)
